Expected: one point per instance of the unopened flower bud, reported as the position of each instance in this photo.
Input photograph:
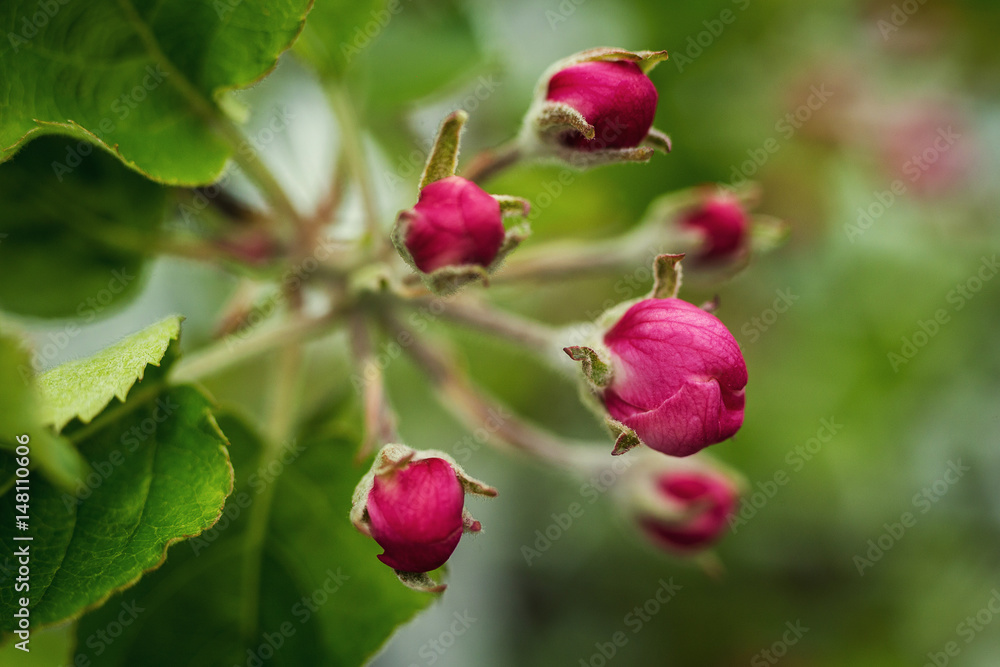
(681, 506)
(723, 224)
(668, 375)
(614, 96)
(412, 504)
(595, 107)
(454, 223)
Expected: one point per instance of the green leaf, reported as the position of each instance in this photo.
(72, 242)
(161, 474)
(19, 417)
(319, 595)
(139, 77)
(82, 389)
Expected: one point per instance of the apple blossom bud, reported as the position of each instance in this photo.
(454, 223)
(594, 108)
(681, 506)
(614, 96)
(672, 377)
(723, 224)
(412, 504)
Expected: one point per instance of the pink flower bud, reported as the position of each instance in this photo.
(614, 96)
(723, 224)
(412, 504)
(454, 223)
(415, 514)
(677, 376)
(694, 506)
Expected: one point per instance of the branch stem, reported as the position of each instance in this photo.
(475, 409)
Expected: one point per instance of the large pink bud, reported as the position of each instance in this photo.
(723, 224)
(689, 509)
(412, 503)
(676, 376)
(614, 96)
(454, 223)
(415, 514)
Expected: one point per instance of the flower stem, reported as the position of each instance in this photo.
(231, 350)
(474, 408)
(354, 156)
(536, 336)
(489, 163)
(277, 439)
(380, 421)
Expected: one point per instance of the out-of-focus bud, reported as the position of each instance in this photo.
(665, 373)
(595, 107)
(723, 224)
(455, 233)
(412, 504)
(682, 506)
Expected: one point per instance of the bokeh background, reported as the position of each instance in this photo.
(827, 105)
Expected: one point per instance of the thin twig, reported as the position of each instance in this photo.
(473, 407)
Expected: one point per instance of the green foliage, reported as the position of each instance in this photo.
(75, 238)
(139, 77)
(283, 567)
(20, 414)
(82, 389)
(161, 474)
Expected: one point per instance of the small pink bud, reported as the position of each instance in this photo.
(415, 514)
(723, 223)
(412, 503)
(454, 223)
(694, 508)
(614, 96)
(677, 376)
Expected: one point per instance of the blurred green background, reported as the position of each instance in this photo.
(827, 105)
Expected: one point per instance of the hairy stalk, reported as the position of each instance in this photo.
(354, 155)
(475, 409)
(535, 336)
(380, 421)
(231, 351)
(489, 163)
